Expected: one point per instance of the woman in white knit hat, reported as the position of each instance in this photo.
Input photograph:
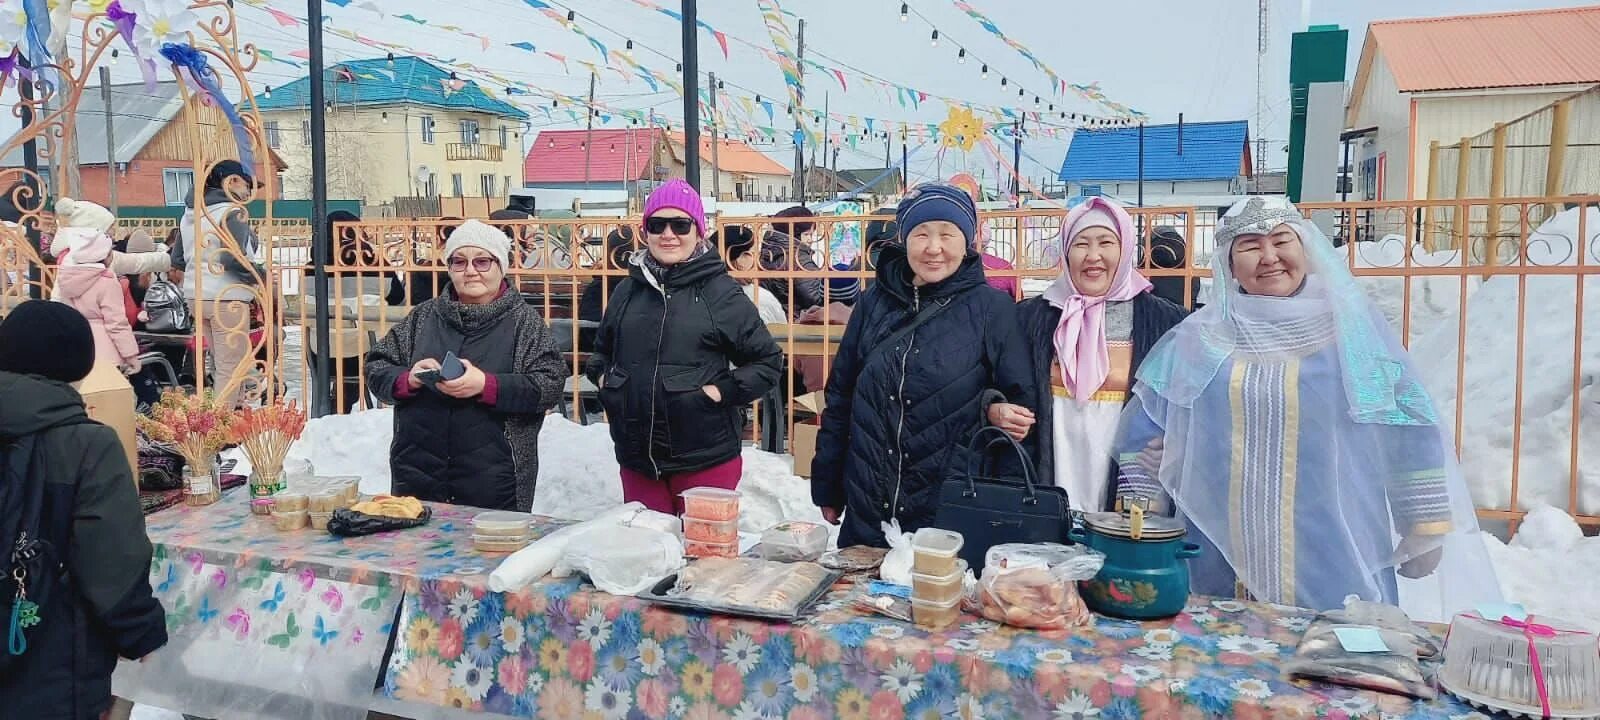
(472, 438)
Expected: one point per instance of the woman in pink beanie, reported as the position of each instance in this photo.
(679, 354)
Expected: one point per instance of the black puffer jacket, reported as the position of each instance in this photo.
(1152, 318)
(469, 452)
(896, 416)
(776, 251)
(109, 609)
(662, 340)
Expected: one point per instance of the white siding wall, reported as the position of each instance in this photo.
(1450, 117)
(1382, 104)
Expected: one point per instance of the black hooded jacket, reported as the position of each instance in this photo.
(897, 417)
(663, 339)
(109, 609)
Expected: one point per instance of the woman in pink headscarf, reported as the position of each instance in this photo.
(1089, 332)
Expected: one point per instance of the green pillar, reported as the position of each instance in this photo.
(1315, 55)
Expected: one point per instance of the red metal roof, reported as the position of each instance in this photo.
(1556, 46)
(735, 156)
(558, 156)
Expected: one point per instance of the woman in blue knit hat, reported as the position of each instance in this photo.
(924, 343)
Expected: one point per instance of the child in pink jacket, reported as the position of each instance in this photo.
(87, 284)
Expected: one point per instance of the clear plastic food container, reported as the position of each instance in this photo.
(935, 615)
(325, 501)
(711, 531)
(498, 543)
(701, 549)
(290, 502)
(794, 541)
(934, 551)
(500, 523)
(319, 520)
(1487, 662)
(939, 588)
(711, 504)
(290, 520)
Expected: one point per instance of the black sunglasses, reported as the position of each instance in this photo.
(481, 263)
(658, 225)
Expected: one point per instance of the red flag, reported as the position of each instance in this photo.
(722, 39)
(840, 74)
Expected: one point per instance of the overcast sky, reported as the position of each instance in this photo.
(1160, 56)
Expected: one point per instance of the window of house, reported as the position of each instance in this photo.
(508, 185)
(427, 129)
(305, 132)
(469, 132)
(486, 183)
(505, 137)
(177, 184)
(274, 135)
(430, 187)
(455, 184)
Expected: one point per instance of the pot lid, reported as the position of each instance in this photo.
(1135, 525)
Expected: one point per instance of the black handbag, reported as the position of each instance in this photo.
(990, 511)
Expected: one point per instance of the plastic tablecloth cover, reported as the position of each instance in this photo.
(268, 625)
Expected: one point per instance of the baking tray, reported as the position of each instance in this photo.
(657, 594)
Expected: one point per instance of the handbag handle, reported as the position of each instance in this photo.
(1030, 497)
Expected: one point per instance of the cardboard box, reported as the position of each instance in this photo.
(804, 447)
(109, 398)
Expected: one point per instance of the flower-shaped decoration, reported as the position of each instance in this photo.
(13, 28)
(159, 22)
(960, 129)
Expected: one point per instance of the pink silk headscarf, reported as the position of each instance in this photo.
(1080, 338)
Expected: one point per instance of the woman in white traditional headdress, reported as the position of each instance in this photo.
(1285, 421)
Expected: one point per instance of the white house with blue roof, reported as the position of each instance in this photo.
(1201, 164)
(400, 129)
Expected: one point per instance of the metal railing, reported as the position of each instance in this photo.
(1515, 333)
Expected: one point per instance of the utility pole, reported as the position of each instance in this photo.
(716, 172)
(1141, 178)
(836, 150)
(320, 246)
(905, 166)
(691, 95)
(111, 143)
(588, 134)
(799, 129)
(1016, 159)
(827, 142)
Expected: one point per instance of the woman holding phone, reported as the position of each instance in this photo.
(470, 373)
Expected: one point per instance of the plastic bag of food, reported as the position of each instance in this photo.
(896, 567)
(1388, 617)
(623, 560)
(1036, 585)
(351, 523)
(1374, 659)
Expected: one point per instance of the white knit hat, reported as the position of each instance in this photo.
(84, 214)
(474, 233)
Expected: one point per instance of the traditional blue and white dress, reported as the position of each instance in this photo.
(1297, 442)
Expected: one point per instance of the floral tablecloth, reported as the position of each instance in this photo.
(268, 624)
(561, 649)
(262, 620)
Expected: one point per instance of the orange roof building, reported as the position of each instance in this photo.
(1444, 78)
(744, 173)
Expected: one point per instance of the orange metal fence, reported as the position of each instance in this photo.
(1508, 326)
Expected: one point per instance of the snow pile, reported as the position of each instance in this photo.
(1490, 377)
(1434, 298)
(1550, 567)
(578, 473)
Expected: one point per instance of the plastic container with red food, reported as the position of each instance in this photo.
(711, 531)
(705, 503)
(702, 549)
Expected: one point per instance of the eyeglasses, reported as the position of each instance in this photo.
(658, 225)
(481, 263)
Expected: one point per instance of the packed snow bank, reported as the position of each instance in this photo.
(1549, 326)
(578, 473)
(1434, 298)
(1550, 567)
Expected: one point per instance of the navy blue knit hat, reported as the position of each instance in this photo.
(844, 289)
(937, 202)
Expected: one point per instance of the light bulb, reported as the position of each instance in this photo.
(268, 93)
(629, 49)
(904, 8)
(1002, 82)
(961, 57)
(985, 75)
(385, 116)
(114, 56)
(391, 59)
(935, 41)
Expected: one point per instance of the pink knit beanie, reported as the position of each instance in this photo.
(678, 195)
